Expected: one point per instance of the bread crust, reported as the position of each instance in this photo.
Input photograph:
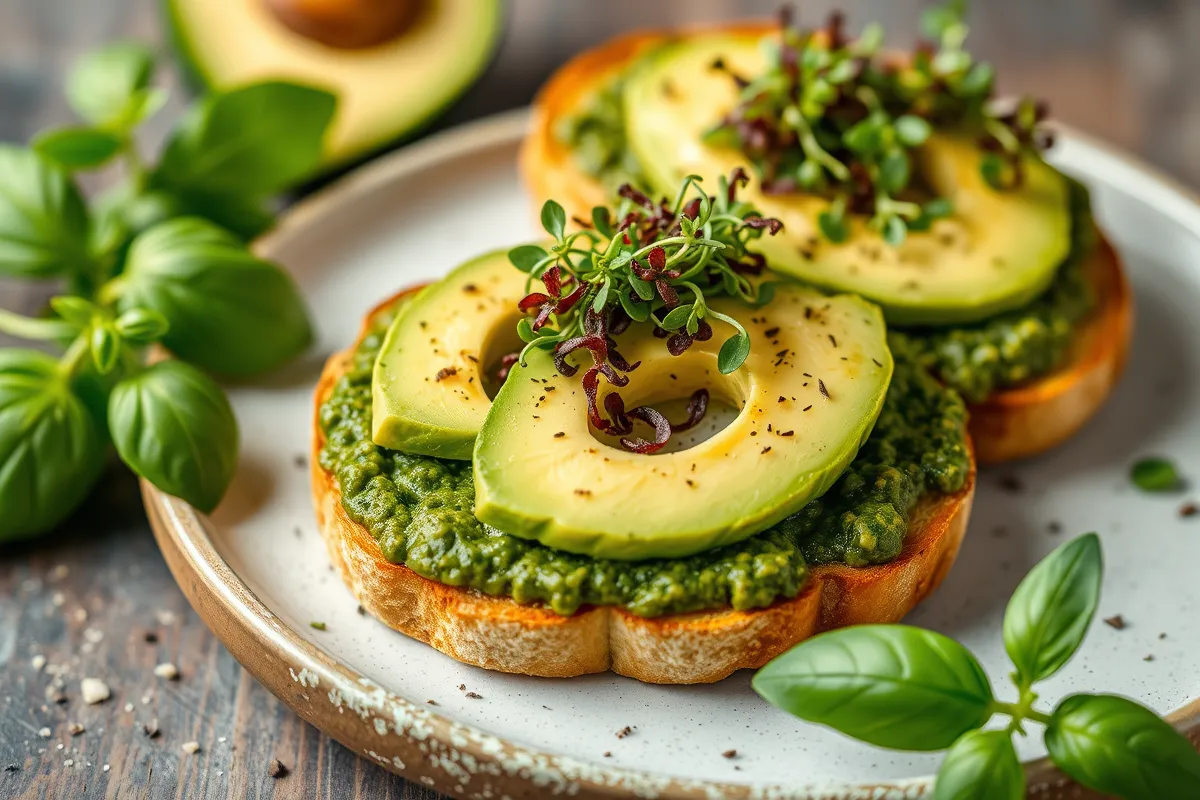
(1011, 424)
(500, 634)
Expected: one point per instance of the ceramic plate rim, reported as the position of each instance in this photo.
(291, 667)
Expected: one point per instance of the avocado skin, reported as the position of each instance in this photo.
(197, 79)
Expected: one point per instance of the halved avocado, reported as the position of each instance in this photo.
(809, 395)
(1000, 249)
(429, 389)
(385, 91)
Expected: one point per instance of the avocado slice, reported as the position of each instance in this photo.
(431, 380)
(999, 250)
(809, 395)
(384, 92)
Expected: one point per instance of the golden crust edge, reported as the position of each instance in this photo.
(499, 634)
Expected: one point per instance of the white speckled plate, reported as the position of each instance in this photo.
(258, 573)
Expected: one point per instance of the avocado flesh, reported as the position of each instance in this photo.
(428, 387)
(541, 474)
(999, 250)
(384, 92)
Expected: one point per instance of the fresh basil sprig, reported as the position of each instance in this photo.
(910, 689)
(161, 258)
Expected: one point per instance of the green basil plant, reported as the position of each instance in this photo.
(161, 257)
(906, 688)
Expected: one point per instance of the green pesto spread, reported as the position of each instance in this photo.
(1012, 348)
(420, 510)
(596, 136)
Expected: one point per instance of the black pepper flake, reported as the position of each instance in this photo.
(808, 312)
(542, 398)
(300, 461)
(754, 433)
(788, 433)
(1117, 622)
(431, 702)
(423, 324)
(584, 492)
(765, 450)
(150, 637)
(560, 434)
(877, 362)
(691, 483)
(808, 408)
(1011, 483)
(771, 333)
(805, 374)
(11, 768)
(362, 612)
(782, 352)
(472, 358)
(608, 754)
(470, 288)
(824, 391)
(446, 372)
(1055, 526)
(833, 340)
(782, 399)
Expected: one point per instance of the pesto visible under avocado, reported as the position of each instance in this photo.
(596, 137)
(1017, 346)
(419, 509)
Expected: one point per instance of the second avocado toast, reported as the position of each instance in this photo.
(899, 178)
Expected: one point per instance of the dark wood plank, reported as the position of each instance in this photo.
(1120, 69)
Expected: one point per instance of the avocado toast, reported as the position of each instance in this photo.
(1007, 292)
(492, 474)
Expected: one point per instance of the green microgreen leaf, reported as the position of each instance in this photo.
(895, 231)
(1050, 611)
(603, 221)
(601, 299)
(108, 87)
(733, 353)
(554, 219)
(644, 289)
(1155, 475)
(912, 131)
(79, 148)
(833, 226)
(75, 310)
(895, 169)
(677, 318)
(527, 256)
(638, 312)
(525, 330)
(142, 326)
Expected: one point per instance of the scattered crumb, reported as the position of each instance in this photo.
(75, 729)
(128, 707)
(1162, 636)
(80, 615)
(446, 372)
(58, 599)
(1011, 483)
(150, 637)
(221, 739)
(362, 612)
(37, 662)
(151, 728)
(191, 748)
(59, 572)
(462, 687)
(94, 690)
(93, 635)
(730, 754)
(70, 762)
(300, 460)
(105, 768)
(319, 626)
(1117, 622)
(431, 702)
(12, 768)
(1148, 658)
(627, 730)
(164, 617)
(608, 754)
(168, 671)
(44, 733)
(1055, 527)
(474, 695)
(276, 769)
(1189, 510)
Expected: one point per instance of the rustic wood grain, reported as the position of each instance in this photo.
(86, 597)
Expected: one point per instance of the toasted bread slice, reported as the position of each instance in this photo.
(498, 633)
(1011, 424)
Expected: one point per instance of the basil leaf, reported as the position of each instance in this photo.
(106, 87)
(1115, 746)
(78, 148)
(245, 217)
(1050, 611)
(981, 765)
(105, 345)
(43, 222)
(142, 326)
(229, 311)
(526, 257)
(554, 219)
(1155, 475)
(894, 686)
(173, 426)
(51, 447)
(256, 141)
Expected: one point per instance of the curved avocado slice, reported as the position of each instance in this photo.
(384, 92)
(429, 386)
(999, 250)
(809, 395)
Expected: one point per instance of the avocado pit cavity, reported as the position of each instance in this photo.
(347, 24)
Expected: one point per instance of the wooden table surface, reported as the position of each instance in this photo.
(95, 599)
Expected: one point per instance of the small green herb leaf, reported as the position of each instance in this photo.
(603, 221)
(253, 141)
(1050, 611)
(78, 148)
(834, 227)
(894, 171)
(993, 169)
(895, 231)
(173, 426)
(142, 325)
(889, 685)
(526, 257)
(51, 447)
(554, 219)
(981, 765)
(1155, 475)
(43, 222)
(525, 330)
(105, 345)
(107, 87)
(1115, 746)
(75, 310)
(229, 311)
(677, 318)
(601, 298)
(733, 353)
(644, 289)
(638, 312)
(912, 131)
